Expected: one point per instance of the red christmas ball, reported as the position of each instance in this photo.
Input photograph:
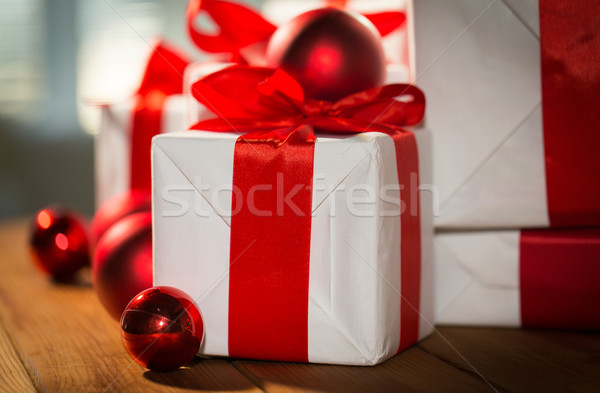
(122, 264)
(59, 242)
(162, 328)
(331, 52)
(117, 207)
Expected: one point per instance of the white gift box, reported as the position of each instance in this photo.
(477, 278)
(113, 143)
(354, 284)
(489, 278)
(478, 63)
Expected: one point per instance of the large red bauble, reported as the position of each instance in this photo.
(331, 52)
(122, 264)
(162, 328)
(59, 242)
(117, 207)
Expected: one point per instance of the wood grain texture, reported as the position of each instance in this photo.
(412, 371)
(520, 360)
(454, 360)
(58, 338)
(70, 344)
(13, 375)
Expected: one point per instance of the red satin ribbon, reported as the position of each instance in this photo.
(240, 26)
(385, 22)
(257, 99)
(270, 254)
(269, 269)
(407, 162)
(560, 278)
(163, 77)
(570, 48)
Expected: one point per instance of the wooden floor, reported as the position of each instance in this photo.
(58, 338)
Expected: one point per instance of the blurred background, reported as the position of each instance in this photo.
(57, 59)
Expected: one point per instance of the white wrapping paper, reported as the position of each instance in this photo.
(353, 312)
(477, 278)
(478, 63)
(112, 146)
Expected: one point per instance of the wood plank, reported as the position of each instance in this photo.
(522, 360)
(412, 371)
(58, 338)
(71, 344)
(14, 376)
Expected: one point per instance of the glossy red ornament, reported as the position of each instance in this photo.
(59, 242)
(117, 207)
(122, 263)
(331, 52)
(162, 328)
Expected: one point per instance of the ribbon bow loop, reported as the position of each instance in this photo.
(240, 26)
(249, 93)
(249, 99)
(397, 104)
(163, 71)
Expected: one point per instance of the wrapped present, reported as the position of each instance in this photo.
(548, 278)
(233, 44)
(298, 246)
(122, 146)
(512, 104)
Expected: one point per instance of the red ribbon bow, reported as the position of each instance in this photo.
(240, 26)
(261, 100)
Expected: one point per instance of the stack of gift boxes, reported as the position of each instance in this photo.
(512, 98)
(283, 267)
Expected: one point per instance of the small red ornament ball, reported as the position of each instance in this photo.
(331, 52)
(122, 263)
(117, 207)
(162, 328)
(59, 242)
